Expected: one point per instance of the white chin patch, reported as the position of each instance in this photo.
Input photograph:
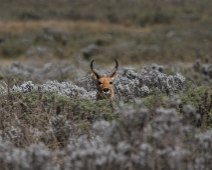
(108, 92)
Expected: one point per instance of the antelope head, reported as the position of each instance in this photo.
(104, 84)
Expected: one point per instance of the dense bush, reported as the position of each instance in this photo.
(158, 121)
(166, 141)
(35, 157)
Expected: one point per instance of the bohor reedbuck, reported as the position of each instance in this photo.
(105, 88)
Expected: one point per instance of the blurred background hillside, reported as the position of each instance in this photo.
(132, 31)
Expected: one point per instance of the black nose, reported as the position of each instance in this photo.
(105, 90)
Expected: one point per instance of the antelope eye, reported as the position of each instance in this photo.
(111, 82)
(100, 83)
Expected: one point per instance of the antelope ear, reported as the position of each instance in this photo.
(95, 76)
(113, 76)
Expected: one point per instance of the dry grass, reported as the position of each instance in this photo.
(19, 27)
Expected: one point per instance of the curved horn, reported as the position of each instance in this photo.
(116, 67)
(91, 65)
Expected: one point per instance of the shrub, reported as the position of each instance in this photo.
(152, 124)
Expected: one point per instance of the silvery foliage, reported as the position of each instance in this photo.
(48, 71)
(67, 89)
(60, 129)
(24, 87)
(152, 77)
(14, 134)
(132, 143)
(38, 51)
(205, 69)
(87, 154)
(130, 84)
(34, 157)
(204, 141)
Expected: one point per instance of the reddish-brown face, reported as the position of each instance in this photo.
(105, 87)
(104, 84)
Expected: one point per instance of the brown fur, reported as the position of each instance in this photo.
(105, 88)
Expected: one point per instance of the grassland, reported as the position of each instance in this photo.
(131, 31)
(161, 117)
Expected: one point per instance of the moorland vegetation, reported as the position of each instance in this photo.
(161, 117)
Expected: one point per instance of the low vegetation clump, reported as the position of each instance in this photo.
(157, 121)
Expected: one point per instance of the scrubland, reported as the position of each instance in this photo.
(161, 117)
